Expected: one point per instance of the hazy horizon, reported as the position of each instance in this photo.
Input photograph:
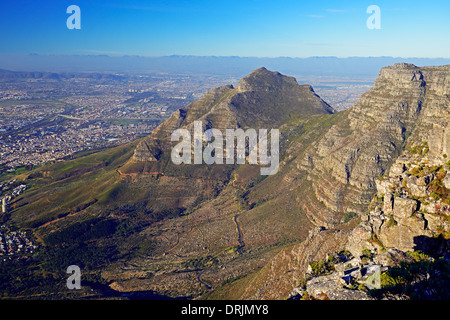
(355, 67)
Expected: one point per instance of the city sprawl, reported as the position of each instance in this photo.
(45, 119)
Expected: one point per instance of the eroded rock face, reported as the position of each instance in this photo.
(405, 104)
(411, 209)
(393, 144)
(330, 286)
(205, 109)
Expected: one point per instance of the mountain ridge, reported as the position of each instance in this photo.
(406, 212)
(258, 101)
(167, 221)
(182, 230)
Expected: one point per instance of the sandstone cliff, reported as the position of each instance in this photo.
(405, 104)
(386, 160)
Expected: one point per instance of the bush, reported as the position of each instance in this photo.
(416, 171)
(199, 263)
(366, 255)
(421, 150)
(419, 256)
(318, 268)
(85, 256)
(435, 196)
(345, 254)
(323, 267)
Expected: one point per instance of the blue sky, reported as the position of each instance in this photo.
(257, 28)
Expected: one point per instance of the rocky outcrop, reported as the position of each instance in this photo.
(330, 287)
(364, 277)
(342, 275)
(410, 212)
(410, 206)
(398, 222)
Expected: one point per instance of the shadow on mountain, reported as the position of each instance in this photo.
(434, 247)
(106, 292)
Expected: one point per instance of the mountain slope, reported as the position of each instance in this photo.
(186, 230)
(399, 129)
(263, 99)
(178, 229)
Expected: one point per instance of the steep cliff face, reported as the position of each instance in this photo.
(387, 159)
(401, 248)
(406, 103)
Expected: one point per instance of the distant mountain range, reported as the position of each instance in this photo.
(22, 75)
(229, 66)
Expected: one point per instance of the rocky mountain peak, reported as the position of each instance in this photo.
(265, 80)
(262, 99)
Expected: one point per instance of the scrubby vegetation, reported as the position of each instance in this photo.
(200, 263)
(420, 150)
(423, 278)
(324, 267)
(45, 274)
